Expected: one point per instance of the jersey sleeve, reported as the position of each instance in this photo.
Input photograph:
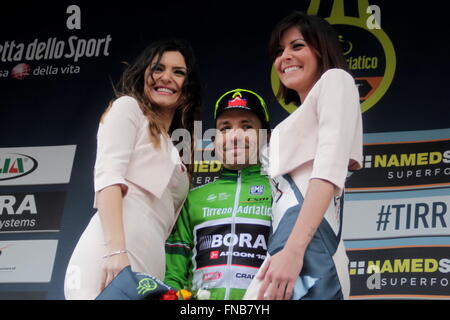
(116, 139)
(179, 247)
(339, 117)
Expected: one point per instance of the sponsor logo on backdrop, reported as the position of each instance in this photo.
(53, 48)
(393, 218)
(28, 56)
(207, 166)
(20, 71)
(38, 212)
(367, 48)
(403, 165)
(206, 171)
(14, 268)
(15, 165)
(400, 272)
(62, 53)
(4, 248)
(36, 165)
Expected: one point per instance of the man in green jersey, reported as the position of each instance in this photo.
(220, 238)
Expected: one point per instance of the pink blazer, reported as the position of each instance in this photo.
(326, 128)
(124, 151)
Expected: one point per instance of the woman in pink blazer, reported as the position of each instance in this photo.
(140, 181)
(310, 154)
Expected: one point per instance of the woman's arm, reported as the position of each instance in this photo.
(283, 268)
(116, 142)
(109, 202)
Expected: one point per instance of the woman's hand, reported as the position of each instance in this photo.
(279, 275)
(111, 267)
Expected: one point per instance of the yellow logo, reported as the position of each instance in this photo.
(146, 285)
(237, 94)
(367, 48)
(407, 160)
(418, 265)
(206, 166)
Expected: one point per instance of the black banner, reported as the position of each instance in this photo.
(408, 271)
(397, 165)
(31, 212)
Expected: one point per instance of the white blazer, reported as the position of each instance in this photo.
(326, 128)
(128, 155)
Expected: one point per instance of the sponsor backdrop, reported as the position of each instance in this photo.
(58, 62)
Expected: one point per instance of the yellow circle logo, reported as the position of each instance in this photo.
(367, 48)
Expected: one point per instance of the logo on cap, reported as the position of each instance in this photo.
(237, 101)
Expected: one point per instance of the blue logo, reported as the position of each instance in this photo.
(257, 190)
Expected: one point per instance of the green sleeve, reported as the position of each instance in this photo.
(179, 252)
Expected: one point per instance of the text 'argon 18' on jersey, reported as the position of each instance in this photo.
(220, 238)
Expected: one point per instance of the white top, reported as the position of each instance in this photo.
(125, 153)
(154, 186)
(326, 128)
(318, 140)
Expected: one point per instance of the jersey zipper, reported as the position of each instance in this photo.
(237, 198)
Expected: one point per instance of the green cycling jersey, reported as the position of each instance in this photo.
(220, 238)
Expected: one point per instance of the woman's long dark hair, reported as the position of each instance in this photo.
(319, 35)
(132, 84)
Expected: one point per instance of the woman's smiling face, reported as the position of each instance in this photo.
(296, 63)
(164, 80)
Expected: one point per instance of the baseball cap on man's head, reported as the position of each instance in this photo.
(245, 100)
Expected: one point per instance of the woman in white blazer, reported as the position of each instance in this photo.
(140, 181)
(310, 154)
